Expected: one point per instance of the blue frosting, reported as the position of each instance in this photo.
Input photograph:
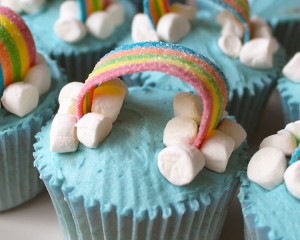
(122, 172)
(269, 214)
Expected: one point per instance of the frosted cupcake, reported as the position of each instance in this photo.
(289, 87)
(159, 192)
(284, 17)
(77, 34)
(29, 85)
(252, 68)
(269, 193)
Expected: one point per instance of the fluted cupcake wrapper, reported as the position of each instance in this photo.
(187, 220)
(19, 180)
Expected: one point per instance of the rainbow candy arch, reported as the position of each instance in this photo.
(155, 9)
(87, 7)
(172, 59)
(241, 10)
(17, 48)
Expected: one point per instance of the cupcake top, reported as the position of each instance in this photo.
(24, 74)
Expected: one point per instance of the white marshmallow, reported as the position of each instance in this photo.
(292, 70)
(260, 29)
(292, 179)
(232, 27)
(142, 30)
(70, 30)
(40, 77)
(92, 129)
(117, 82)
(283, 140)
(68, 107)
(12, 4)
(179, 164)
(234, 130)
(224, 115)
(180, 131)
(294, 128)
(217, 150)
(69, 91)
(171, 27)
(266, 167)
(187, 11)
(63, 134)
(223, 16)
(257, 53)
(69, 10)
(100, 24)
(117, 12)
(20, 98)
(108, 101)
(231, 45)
(188, 105)
(31, 6)
(40, 59)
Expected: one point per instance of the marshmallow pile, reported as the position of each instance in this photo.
(100, 24)
(268, 167)
(292, 69)
(256, 53)
(171, 27)
(27, 6)
(20, 98)
(93, 127)
(180, 161)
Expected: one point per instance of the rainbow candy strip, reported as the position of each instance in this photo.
(155, 9)
(241, 10)
(172, 59)
(87, 7)
(17, 48)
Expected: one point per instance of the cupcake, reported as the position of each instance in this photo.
(284, 17)
(158, 185)
(29, 85)
(76, 34)
(269, 193)
(252, 68)
(289, 87)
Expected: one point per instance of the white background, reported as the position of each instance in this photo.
(36, 219)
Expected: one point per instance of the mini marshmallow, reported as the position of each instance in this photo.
(20, 98)
(224, 115)
(232, 27)
(294, 128)
(31, 6)
(223, 16)
(70, 30)
(69, 91)
(231, 45)
(117, 82)
(69, 10)
(171, 27)
(63, 134)
(266, 167)
(142, 30)
(108, 101)
(180, 131)
(283, 140)
(179, 164)
(40, 77)
(292, 179)
(188, 105)
(40, 59)
(234, 130)
(12, 4)
(187, 11)
(92, 129)
(117, 12)
(260, 29)
(217, 150)
(258, 53)
(100, 24)
(292, 70)
(68, 107)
